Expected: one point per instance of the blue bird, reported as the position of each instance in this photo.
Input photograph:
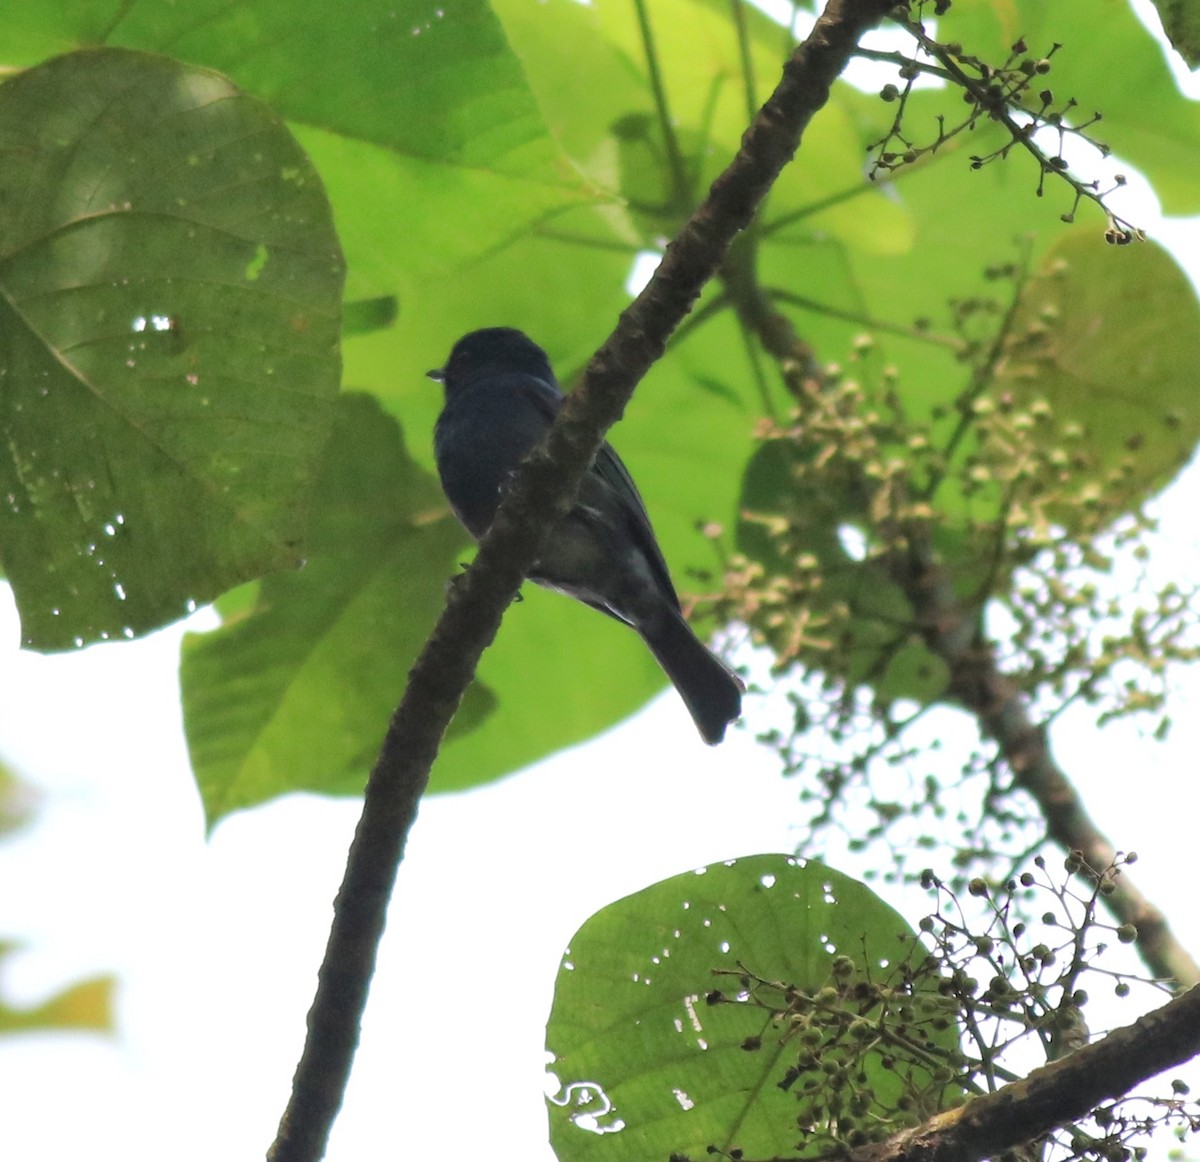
(501, 397)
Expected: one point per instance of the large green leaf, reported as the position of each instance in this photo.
(169, 294)
(1181, 23)
(296, 693)
(415, 115)
(646, 1066)
(1110, 338)
(463, 96)
(587, 64)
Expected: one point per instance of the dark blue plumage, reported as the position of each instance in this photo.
(501, 397)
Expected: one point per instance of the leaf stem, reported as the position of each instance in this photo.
(681, 196)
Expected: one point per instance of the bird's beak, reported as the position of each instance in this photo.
(438, 375)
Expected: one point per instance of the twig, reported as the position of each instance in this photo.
(1054, 1095)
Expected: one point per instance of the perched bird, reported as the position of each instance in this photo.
(501, 397)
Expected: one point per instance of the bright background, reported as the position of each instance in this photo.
(216, 941)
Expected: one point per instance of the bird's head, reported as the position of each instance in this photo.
(492, 351)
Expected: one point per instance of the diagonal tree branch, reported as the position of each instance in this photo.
(1000, 708)
(543, 491)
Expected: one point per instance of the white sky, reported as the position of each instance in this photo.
(216, 943)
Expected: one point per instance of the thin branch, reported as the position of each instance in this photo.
(1054, 1095)
(543, 491)
(902, 62)
(745, 52)
(917, 334)
(999, 109)
(838, 198)
(675, 163)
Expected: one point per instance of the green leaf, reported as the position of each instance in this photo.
(414, 114)
(647, 1067)
(365, 315)
(296, 694)
(1110, 337)
(412, 227)
(87, 1005)
(587, 65)
(438, 83)
(1181, 23)
(169, 294)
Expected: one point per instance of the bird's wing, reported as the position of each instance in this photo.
(610, 469)
(609, 472)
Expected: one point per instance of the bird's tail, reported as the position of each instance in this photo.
(710, 690)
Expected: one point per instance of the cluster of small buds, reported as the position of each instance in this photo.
(1011, 93)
